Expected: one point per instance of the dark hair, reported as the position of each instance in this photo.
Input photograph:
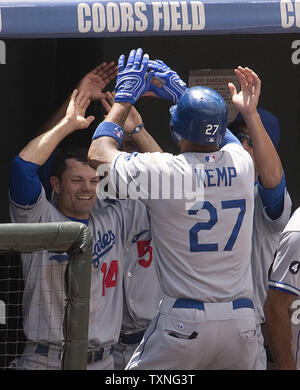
(237, 129)
(61, 155)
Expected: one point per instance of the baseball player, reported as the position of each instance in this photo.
(140, 305)
(141, 294)
(93, 82)
(201, 237)
(282, 303)
(272, 208)
(113, 229)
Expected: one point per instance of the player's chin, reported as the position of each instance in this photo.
(84, 205)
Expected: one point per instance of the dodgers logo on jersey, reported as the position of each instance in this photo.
(59, 257)
(104, 244)
(137, 236)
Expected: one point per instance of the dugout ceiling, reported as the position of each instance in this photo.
(47, 46)
(78, 18)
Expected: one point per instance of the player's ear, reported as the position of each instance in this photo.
(54, 181)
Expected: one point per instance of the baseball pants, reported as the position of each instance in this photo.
(261, 361)
(192, 335)
(40, 357)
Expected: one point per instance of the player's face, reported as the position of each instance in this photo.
(76, 192)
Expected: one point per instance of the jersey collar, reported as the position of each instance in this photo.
(85, 221)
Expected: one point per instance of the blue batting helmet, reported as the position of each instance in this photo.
(200, 116)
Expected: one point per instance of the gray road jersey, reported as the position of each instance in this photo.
(112, 228)
(265, 238)
(202, 247)
(142, 292)
(285, 275)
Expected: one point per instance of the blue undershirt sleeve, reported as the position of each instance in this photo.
(229, 138)
(273, 199)
(25, 185)
(45, 172)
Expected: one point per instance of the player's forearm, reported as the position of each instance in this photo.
(266, 157)
(40, 148)
(281, 349)
(104, 148)
(118, 113)
(145, 142)
(279, 331)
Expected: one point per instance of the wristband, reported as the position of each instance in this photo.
(109, 129)
(136, 130)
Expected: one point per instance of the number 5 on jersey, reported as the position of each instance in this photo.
(144, 250)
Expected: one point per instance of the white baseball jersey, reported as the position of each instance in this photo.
(285, 275)
(112, 228)
(142, 292)
(202, 235)
(265, 238)
(141, 289)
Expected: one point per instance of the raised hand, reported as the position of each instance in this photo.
(132, 79)
(75, 114)
(247, 99)
(165, 82)
(97, 79)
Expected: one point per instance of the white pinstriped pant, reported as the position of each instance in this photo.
(216, 338)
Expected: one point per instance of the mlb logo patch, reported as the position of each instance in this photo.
(118, 133)
(210, 139)
(210, 158)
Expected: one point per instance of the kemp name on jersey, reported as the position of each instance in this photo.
(215, 177)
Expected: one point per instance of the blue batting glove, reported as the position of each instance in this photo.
(165, 82)
(132, 80)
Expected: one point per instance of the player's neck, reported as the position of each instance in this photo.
(187, 146)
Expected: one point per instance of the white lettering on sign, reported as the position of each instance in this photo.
(2, 53)
(137, 16)
(176, 17)
(290, 13)
(296, 54)
(114, 17)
